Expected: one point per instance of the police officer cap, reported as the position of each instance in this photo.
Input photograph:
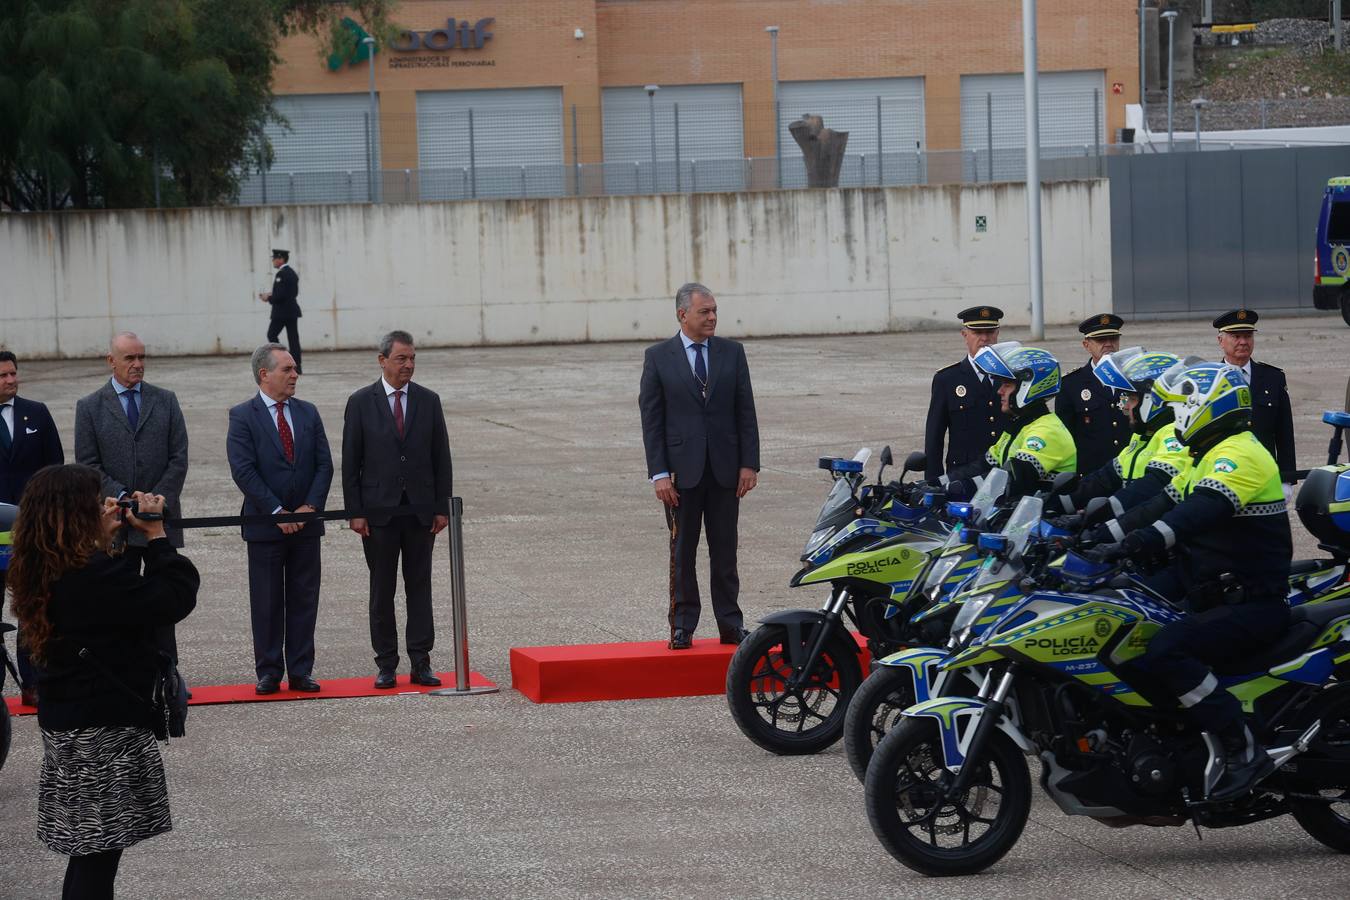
(284, 255)
(1237, 320)
(1101, 325)
(981, 318)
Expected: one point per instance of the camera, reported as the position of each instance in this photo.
(130, 504)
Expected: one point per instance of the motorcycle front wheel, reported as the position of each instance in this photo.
(791, 721)
(930, 832)
(872, 713)
(1328, 819)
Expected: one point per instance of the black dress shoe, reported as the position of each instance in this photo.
(385, 680)
(268, 684)
(735, 636)
(680, 640)
(424, 676)
(304, 684)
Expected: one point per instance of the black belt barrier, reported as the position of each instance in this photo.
(452, 509)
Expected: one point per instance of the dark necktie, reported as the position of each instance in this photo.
(284, 429)
(398, 412)
(133, 411)
(6, 440)
(700, 370)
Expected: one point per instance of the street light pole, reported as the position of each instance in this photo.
(777, 116)
(374, 122)
(651, 119)
(1030, 77)
(1198, 104)
(1171, 17)
(1143, 66)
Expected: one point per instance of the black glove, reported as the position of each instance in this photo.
(1067, 523)
(1106, 553)
(956, 490)
(1142, 542)
(1098, 535)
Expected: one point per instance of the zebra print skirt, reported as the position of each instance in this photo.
(100, 789)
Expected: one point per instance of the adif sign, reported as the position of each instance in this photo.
(465, 35)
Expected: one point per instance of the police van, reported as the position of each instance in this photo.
(1332, 264)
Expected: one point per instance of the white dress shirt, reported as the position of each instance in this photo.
(389, 393)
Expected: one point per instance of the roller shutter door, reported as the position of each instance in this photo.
(320, 155)
(884, 118)
(1072, 120)
(711, 155)
(517, 143)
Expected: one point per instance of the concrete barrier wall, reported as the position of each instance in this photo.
(557, 270)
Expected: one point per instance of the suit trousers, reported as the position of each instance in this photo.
(283, 599)
(292, 327)
(710, 505)
(166, 638)
(408, 538)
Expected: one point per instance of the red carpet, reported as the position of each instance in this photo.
(333, 688)
(636, 671)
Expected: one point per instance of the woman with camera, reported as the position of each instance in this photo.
(89, 622)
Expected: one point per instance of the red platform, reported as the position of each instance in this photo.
(333, 689)
(635, 671)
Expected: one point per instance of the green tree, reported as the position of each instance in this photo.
(96, 96)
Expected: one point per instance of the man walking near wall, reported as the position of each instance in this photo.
(702, 441)
(28, 441)
(285, 300)
(1086, 406)
(134, 434)
(279, 459)
(396, 452)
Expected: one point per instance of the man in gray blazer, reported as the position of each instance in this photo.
(279, 459)
(134, 434)
(702, 441)
(396, 452)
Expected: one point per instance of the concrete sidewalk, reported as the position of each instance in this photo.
(565, 543)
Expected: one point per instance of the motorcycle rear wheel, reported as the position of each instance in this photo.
(905, 785)
(873, 712)
(803, 720)
(1329, 823)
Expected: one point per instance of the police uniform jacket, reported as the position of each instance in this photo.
(1272, 417)
(965, 411)
(285, 295)
(1088, 407)
(1224, 514)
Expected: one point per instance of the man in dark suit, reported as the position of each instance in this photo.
(285, 300)
(1272, 417)
(1088, 407)
(28, 441)
(279, 459)
(396, 452)
(702, 442)
(964, 408)
(134, 434)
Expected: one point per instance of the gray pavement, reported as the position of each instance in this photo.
(494, 796)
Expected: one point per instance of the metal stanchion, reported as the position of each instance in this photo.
(460, 613)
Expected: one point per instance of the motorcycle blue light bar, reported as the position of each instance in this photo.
(1336, 419)
(848, 466)
(995, 543)
(928, 500)
(958, 510)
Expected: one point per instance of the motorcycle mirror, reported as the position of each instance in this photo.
(916, 461)
(886, 460)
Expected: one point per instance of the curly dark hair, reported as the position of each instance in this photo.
(59, 526)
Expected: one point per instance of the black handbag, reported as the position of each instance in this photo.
(168, 696)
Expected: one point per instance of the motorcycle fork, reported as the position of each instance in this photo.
(995, 703)
(833, 610)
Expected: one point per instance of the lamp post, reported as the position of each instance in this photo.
(1143, 66)
(651, 119)
(777, 117)
(1198, 104)
(374, 121)
(1030, 79)
(1171, 17)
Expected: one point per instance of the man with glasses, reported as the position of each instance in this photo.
(1272, 417)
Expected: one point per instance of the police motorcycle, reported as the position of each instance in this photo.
(997, 562)
(948, 789)
(789, 682)
(7, 514)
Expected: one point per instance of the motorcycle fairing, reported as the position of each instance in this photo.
(922, 665)
(956, 719)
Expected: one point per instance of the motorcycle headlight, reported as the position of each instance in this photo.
(817, 539)
(971, 610)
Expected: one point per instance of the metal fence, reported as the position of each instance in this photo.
(541, 149)
(1245, 115)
